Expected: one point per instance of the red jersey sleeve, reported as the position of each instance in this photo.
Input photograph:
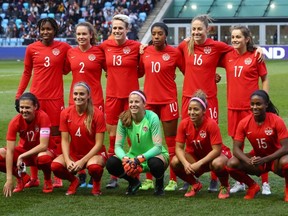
(99, 121)
(13, 128)
(181, 132)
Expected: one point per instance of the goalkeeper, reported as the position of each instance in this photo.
(146, 153)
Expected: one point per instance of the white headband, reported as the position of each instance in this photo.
(140, 94)
(199, 100)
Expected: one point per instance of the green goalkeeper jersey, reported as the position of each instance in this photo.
(146, 137)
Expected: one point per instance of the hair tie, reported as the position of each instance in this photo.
(199, 100)
(140, 94)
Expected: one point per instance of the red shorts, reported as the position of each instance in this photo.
(102, 153)
(113, 108)
(234, 117)
(166, 112)
(53, 109)
(30, 161)
(211, 111)
(266, 167)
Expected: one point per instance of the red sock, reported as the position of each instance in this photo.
(34, 172)
(44, 164)
(240, 176)
(111, 151)
(213, 175)
(2, 159)
(223, 176)
(61, 172)
(95, 171)
(129, 141)
(82, 172)
(170, 142)
(187, 178)
(264, 177)
(285, 174)
(149, 176)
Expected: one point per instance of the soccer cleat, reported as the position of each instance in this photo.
(96, 190)
(133, 187)
(147, 184)
(213, 187)
(113, 183)
(172, 186)
(252, 191)
(237, 187)
(184, 187)
(266, 189)
(48, 186)
(73, 187)
(32, 183)
(90, 184)
(224, 192)
(193, 189)
(159, 191)
(21, 182)
(82, 178)
(57, 182)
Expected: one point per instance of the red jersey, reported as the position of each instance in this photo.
(81, 140)
(87, 67)
(29, 133)
(263, 138)
(200, 67)
(199, 141)
(160, 67)
(122, 67)
(242, 72)
(47, 64)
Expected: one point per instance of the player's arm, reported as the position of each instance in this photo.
(238, 152)
(119, 141)
(41, 147)
(8, 186)
(265, 83)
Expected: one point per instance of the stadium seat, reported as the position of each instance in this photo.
(2, 15)
(51, 15)
(43, 15)
(108, 4)
(18, 22)
(83, 9)
(5, 6)
(81, 20)
(26, 5)
(13, 41)
(142, 16)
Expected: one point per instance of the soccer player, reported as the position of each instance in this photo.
(159, 63)
(86, 62)
(204, 149)
(122, 59)
(243, 72)
(33, 149)
(46, 59)
(146, 153)
(82, 129)
(267, 133)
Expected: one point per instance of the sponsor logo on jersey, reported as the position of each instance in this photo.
(248, 61)
(56, 51)
(166, 57)
(91, 57)
(207, 50)
(203, 134)
(126, 50)
(145, 129)
(268, 131)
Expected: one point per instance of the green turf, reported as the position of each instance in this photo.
(114, 202)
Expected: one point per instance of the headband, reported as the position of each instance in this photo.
(140, 94)
(199, 100)
(84, 85)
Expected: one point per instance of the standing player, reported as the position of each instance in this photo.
(122, 56)
(159, 63)
(243, 72)
(146, 153)
(268, 135)
(82, 129)
(33, 126)
(204, 149)
(86, 62)
(46, 58)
